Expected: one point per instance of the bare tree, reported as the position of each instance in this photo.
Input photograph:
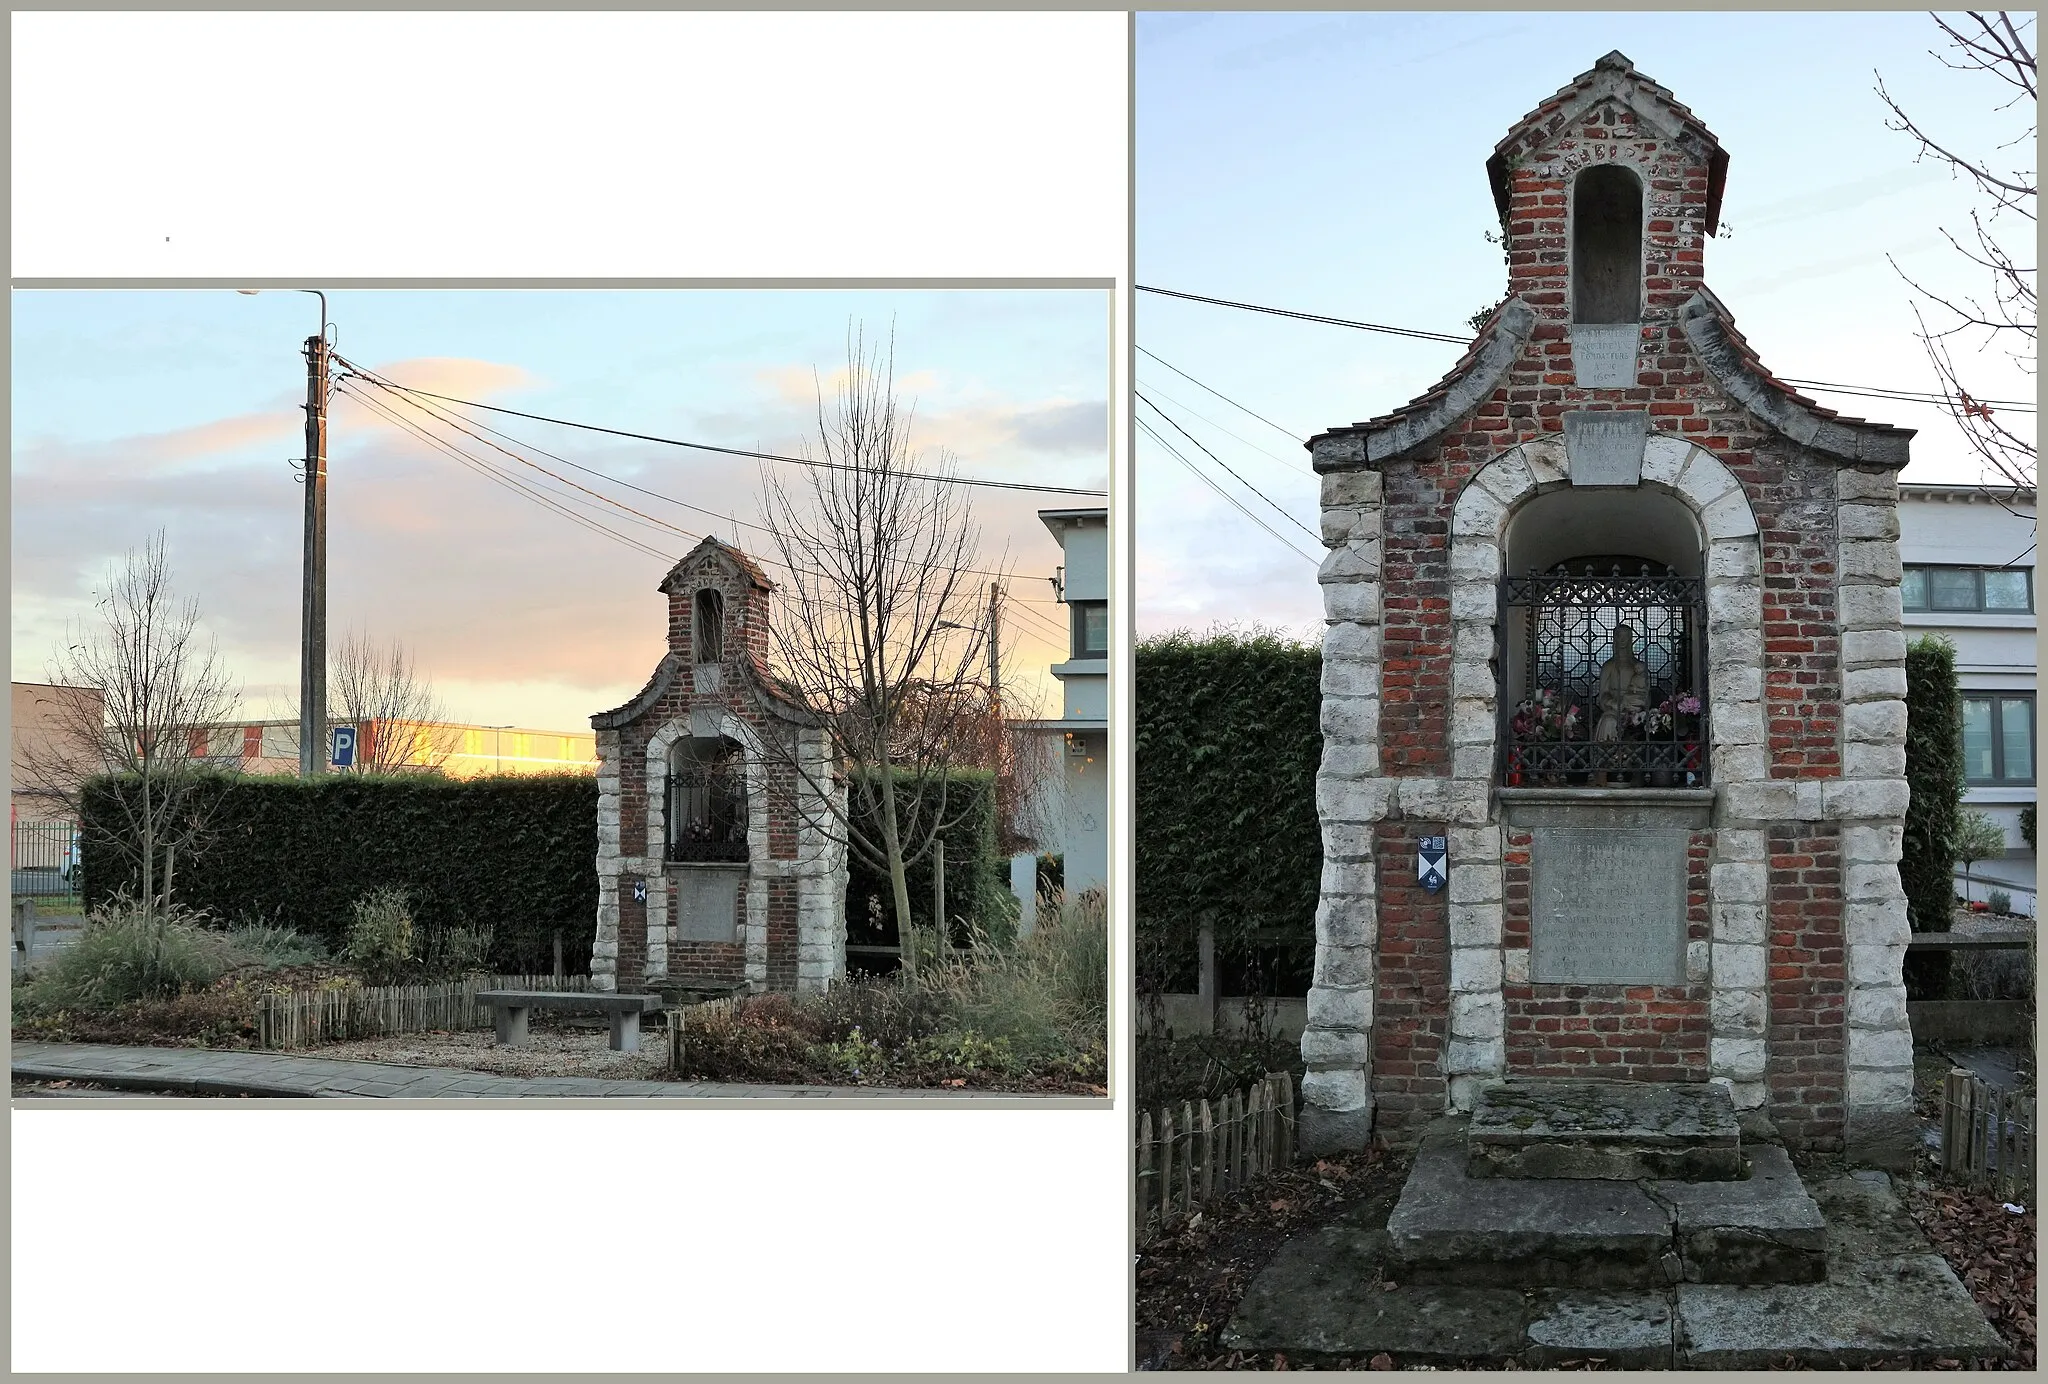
(160, 690)
(379, 686)
(2004, 316)
(401, 723)
(878, 630)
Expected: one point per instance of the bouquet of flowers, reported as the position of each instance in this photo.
(1675, 712)
(1545, 715)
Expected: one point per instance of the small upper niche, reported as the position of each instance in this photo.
(708, 638)
(1607, 245)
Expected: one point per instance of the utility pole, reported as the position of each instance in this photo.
(995, 645)
(313, 616)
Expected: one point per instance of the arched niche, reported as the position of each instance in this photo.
(1644, 531)
(1607, 245)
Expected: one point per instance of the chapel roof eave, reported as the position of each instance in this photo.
(1418, 423)
(768, 691)
(1735, 366)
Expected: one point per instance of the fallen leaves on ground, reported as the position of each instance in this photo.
(1992, 1252)
(1192, 1275)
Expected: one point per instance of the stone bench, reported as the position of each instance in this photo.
(510, 1007)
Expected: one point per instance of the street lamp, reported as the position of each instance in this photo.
(498, 746)
(313, 589)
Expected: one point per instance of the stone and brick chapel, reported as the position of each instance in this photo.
(718, 867)
(1613, 685)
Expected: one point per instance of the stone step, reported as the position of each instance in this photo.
(1452, 1228)
(1609, 1130)
(1333, 1294)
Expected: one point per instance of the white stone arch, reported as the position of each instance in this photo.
(1733, 962)
(706, 721)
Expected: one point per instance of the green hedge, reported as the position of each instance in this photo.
(1934, 774)
(515, 853)
(977, 874)
(1229, 738)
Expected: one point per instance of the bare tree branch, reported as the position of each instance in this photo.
(1991, 45)
(879, 629)
(161, 691)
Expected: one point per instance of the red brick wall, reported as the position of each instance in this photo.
(707, 963)
(1805, 1067)
(1415, 651)
(1623, 1032)
(632, 937)
(782, 934)
(1411, 1016)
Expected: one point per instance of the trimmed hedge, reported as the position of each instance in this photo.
(1934, 774)
(517, 854)
(1229, 738)
(977, 874)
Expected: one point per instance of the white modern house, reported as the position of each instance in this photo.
(1968, 552)
(1076, 814)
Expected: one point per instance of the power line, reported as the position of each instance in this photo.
(725, 451)
(453, 422)
(496, 477)
(1862, 391)
(1220, 462)
(1038, 624)
(1229, 498)
(1219, 394)
(1311, 317)
(1193, 413)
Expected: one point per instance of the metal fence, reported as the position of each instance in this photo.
(44, 859)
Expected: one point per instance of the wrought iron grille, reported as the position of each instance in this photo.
(707, 801)
(1549, 726)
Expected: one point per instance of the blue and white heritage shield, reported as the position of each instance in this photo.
(1430, 868)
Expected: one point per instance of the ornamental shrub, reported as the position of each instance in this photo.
(1934, 774)
(1229, 739)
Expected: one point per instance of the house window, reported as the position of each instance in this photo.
(1091, 629)
(708, 638)
(1998, 737)
(1607, 245)
(1993, 590)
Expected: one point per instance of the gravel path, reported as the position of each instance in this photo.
(547, 1052)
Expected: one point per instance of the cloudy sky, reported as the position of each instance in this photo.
(1334, 163)
(181, 411)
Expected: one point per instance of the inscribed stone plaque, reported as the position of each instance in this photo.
(1604, 354)
(1607, 907)
(1606, 447)
(707, 903)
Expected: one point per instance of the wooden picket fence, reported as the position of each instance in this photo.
(1190, 1156)
(303, 1018)
(1987, 1136)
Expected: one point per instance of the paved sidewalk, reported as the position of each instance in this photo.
(237, 1072)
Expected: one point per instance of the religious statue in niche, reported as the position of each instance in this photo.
(1624, 691)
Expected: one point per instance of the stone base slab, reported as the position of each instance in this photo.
(1613, 1130)
(1334, 1294)
(1452, 1228)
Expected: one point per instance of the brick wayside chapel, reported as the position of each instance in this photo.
(715, 867)
(1704, 886)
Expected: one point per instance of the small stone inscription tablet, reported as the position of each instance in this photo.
(1607, 907)
(707, 903)
(1604, 354)
(1605, 447)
